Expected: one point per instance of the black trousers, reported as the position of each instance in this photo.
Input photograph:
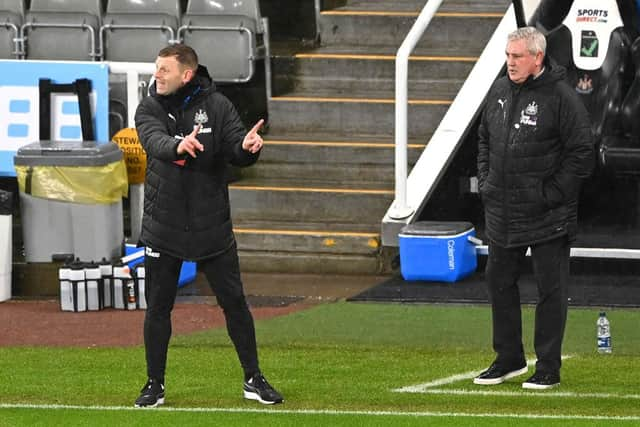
(551, 270)
(161, 285)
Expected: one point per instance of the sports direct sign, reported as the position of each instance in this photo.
(592, 15)
(591, 23)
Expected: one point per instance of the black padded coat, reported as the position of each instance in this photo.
(535, 148)
(186, 207)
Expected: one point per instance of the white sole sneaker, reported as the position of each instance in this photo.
(255, 396)
(533, 386)
(159, 402)
(500, 380)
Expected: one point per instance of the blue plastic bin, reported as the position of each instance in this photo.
(187, 272)
(437, 251)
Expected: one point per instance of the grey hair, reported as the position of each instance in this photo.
(536, 42)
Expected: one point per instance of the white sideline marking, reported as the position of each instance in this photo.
(532, 393)
(324, 412)
(429, 388)
(421, 388)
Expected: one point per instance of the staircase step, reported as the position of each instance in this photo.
(360, 72)
(345, 151)
(288, 227)
(329, 173)
(266, 238)
(308, 263)
(345, 86)
(339, 27)
(281, 201)
(428, 52)
(306, 112)
(329, 162)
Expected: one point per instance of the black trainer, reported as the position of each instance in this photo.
(542, 381)
(257, 388)
(497, 374)
(151, 395)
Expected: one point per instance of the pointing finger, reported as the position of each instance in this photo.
(254, 130)
(195, 130)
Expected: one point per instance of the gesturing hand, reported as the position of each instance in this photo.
(190, 144)
(252, 141)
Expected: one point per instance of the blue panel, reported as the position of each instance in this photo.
(6, 163)
(28, 74)
(71, 108)
(71, 132)
(19, 106)
(17, 130)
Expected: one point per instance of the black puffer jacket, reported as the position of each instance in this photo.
(535, 148)
(186, 207)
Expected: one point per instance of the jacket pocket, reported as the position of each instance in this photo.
(551, 194)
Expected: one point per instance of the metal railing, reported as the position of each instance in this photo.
(400, 209)
(412, 191)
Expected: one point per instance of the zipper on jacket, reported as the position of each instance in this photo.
(187, 207)
(515, 97)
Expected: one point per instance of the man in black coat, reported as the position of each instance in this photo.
(535, 148)
(190, 132)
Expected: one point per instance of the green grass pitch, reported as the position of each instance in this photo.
(336, 364)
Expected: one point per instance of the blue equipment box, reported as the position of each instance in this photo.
(187, 272)
(437, 251)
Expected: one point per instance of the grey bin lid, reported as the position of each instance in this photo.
(68, 153)
(436, 228)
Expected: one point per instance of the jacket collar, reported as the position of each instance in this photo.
(551, 73)
(200, 83)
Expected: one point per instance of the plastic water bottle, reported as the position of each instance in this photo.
(142, 299)
(106, 275)
(94, 294)
(604, 334)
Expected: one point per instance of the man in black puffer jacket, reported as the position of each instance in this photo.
(535, 148)
(190, 132)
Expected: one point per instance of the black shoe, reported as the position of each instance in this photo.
(542, 381)
(497, 374)
(257, 388)
(152, 394)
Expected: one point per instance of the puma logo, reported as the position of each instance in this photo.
(502, 102)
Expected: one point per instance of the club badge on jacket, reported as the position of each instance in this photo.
(200, 119)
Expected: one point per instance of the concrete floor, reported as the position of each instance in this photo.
(307, 287)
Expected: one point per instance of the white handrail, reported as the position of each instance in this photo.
(400, 209)
(446, 137)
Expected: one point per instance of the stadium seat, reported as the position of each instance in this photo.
(594, 46)
(11, 17)
(62, 30)
(228, 35)
(135, 30)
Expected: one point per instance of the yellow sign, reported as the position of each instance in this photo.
(134, 155)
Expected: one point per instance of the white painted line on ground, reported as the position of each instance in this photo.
(325, 412)
(421, 388)
(532, 393)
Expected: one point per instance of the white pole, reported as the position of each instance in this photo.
(400, 209)
(136, 191)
